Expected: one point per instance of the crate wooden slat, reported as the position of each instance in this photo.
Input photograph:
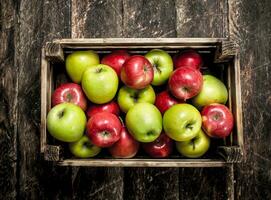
(225, 52)
(144, 162)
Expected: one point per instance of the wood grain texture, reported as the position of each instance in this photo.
(25, 25)
(204, 183)
(249, 25)
(151, 183)
(197, 18)
(202, 19)
(37, 21)
(29, 40)
(97, 19)
(149, 19)
(98, 183)
(8, 101)
(152, 18)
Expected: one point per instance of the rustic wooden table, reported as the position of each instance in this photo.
(26, 25)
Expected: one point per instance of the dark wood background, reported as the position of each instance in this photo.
(24, 27)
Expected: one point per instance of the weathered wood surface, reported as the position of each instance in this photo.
(98, 19)
(249, 26)
(25, 25)
(38, 21)
(8, 101)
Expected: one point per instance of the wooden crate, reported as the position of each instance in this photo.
(219, 51)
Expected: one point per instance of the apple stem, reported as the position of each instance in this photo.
(145, 68)
(156, 68)
(99, 70)
(88, 145)
(193, 141)
(61, 114)
(69, 97)
(135, 97)
(122, 122)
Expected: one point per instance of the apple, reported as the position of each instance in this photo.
(66, 122)
(164, 100)
(116, 59)
(128, 97)
(83, 148)
(162, 65)
(70, 93)
(100, 83)
(195, 147)
(213, 91)
(78, 61)
(188, 58)
(144, 122)
(185, 83)
(111, 107)
(125, 147)
(137, 72)
(217, 120)
(182, 122)
(104, 129)
(159, 148)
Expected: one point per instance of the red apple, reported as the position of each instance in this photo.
(111, 107)
(164, 100)
(69, 93)
(217, 120)
(116, 59)
(185, 83)
(125, 147)
(160, 148)
(188, 58)
(137, 72)
(104, 129)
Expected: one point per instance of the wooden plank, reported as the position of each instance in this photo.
(151, 183)
(96, 18)
(144, 162)
(8, 101)
(150, 19)
(250, 27)
(142, 41)
(199, 18)
(97, 183)
(38, 21)
(92, 19)
(203, 183)
(202, 19)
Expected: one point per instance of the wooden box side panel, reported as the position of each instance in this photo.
(45, 82)
(51, 52)
(238, 113)
(229, 54)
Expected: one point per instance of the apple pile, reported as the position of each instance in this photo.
(127, 101)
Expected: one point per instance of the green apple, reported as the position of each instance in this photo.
(128, 97)
(162, 64)
(195, 147)
(182, 122)
(100, 83)
(78, 61)
(144, 122)
(213, 91)
(83, 148)
(66, 122)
